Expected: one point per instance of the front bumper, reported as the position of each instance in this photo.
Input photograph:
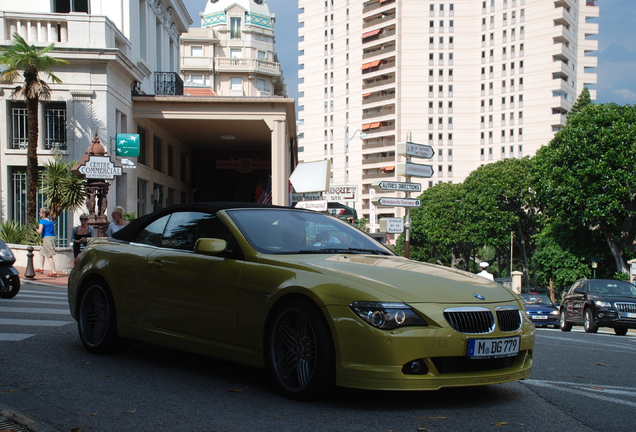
(375, 359)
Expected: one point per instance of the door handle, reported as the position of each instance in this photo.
(155, 264)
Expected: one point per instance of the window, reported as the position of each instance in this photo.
(170, 161)
(156, 153)
(235, 27)
(236, 83)
(262, 55)
(196, 51)
(143, 150)
(19, 125)
(183, 163)
(262, 85)
(66, 6)
(141, 197)
(55, 126)
(236, 53)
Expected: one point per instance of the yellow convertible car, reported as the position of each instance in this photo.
(307, 296)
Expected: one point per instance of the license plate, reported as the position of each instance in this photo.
(493, 348)
(539, 317)
(630, 315)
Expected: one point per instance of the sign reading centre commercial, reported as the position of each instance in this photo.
(99, 167)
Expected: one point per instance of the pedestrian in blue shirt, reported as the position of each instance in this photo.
(46, 229)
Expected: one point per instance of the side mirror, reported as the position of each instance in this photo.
(210, 246)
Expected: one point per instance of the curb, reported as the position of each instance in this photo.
(22, 421)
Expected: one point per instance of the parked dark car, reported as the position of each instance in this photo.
(541, 310)
(595, 303)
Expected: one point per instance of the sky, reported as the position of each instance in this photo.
(616, 49)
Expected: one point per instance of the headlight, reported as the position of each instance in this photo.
(554, 312)
(387, 316)
(603, 304)
(6, 254)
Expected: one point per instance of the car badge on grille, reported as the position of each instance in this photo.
(479, 297)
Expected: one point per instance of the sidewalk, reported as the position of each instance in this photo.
(60, 281)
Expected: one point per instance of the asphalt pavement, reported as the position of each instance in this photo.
(11, 419)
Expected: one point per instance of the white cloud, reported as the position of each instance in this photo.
(628, 96)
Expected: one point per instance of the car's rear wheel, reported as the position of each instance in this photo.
(588, 322)
(299, 350)
(97, 321)
(620, 331)
(564, 324)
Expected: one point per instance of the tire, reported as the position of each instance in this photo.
(564, 324)
(620, 331)
(299, 350)
(11, 286)
(97, 320)
(588, 322)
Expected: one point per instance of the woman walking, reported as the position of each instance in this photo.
(46, 229)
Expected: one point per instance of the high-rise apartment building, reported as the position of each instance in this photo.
(478, 80)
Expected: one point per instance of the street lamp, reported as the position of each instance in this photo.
(594, 267)
(347, 139)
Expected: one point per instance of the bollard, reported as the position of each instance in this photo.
(29, 272)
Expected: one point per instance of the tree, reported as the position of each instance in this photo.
(502, 201)
(585, 177)
(20, 56)
(63, 189)
(582, 101)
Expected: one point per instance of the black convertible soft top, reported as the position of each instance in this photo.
(130, 231)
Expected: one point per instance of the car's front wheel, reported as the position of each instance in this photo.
(564, 324)
(97, 321)
(588, 322)
(299, 350)
(620, 331)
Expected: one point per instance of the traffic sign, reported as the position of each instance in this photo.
(397, 186)
(418, 150)
(414, 170)
(392, 225)
(341, 194)
(397, 202)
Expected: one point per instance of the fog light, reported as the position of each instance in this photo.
(415, 367)
(601, 315)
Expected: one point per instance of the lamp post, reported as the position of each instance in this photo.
(594, 267)
(347, 139)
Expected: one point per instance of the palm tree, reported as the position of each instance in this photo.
(21, 56)
(63, 189)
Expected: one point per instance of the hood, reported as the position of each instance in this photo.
(399, 279)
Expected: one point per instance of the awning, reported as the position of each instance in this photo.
(373, 125)
(371, 64)
(371, 33)
(366, 95)
(388, 168)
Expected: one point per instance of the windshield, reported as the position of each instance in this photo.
(290, 231)
(537, 299)
(612, 288)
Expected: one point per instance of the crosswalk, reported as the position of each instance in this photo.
(31, 310)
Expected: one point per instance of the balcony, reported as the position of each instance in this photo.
(168, 84)
(380, 81)
(247, 65)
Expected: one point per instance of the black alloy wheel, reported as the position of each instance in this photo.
(564, 324)
(97, 322)
(10, 286)
(588, 322)
(300, 354)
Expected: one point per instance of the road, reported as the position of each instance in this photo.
(580, 382)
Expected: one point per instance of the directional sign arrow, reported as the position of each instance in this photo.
(418, 150)
(396, 186)
(397, 202)
(409, 169)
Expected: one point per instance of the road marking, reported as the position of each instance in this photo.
(600, 392)
(31, 322)
(14, 337)
(47, 302)
(35, 310)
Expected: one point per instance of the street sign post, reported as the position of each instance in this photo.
(396, 186)
(392, 225)
(397, 202)
(416, 150)
(409, 169)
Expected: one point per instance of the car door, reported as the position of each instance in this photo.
(570, 302)
(577, 298)
(192, 293)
